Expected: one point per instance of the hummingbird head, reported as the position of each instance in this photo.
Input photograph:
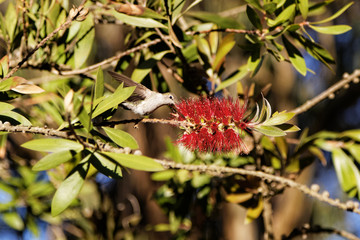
(169, 99)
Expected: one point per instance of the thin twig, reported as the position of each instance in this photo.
(65, 25)
(228, 30)
(106, 61)
(213, 170)
(329, 93)
(307, 229)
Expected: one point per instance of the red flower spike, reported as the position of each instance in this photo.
(216, 124)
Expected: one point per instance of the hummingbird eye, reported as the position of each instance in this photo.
(171, 97)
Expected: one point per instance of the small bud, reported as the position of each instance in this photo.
(350, 205)
(326, 194)
(137, 152)
(127, 150)
(345, 75)
(315, 188)
(72, 13)
(346, 86)
(356, 80)
(82, 15)
(332, 96)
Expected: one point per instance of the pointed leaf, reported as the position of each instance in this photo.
(345, 169)
(5, 107)
(121, 138)
(86, 37)
(135, 162)
(227, 43)
(284, 16)
(27, 88)
(99, 84)
(106, 166)
(304, 8)
(269, 131)
(4, 66)
(20, 119)
(11, 21)
(295, 56)
(120, 95)
(137, 21)
(334, 30)
(52, 145)
(253, 17)
(14, 220)
(338, 13)
(69, 188)
(238, 197)
(279, 118)
(236, 76)
(53, 160)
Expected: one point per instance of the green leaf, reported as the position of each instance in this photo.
(235, 77)
(200, 180)
(284, 16)
(135, 162)
(14, 220)
(106, 166)
(5, 107)
(345, 169)
(304, 8)
(163, 175)
(338, 13)
(99, 84)
(53, 160)
(11, 21)
(255, 4)
(112, 101)
(255, 60)
(253, 17)
(121, 138)
(279, 118)
(52, 145)
(4, 66)
(176, 16)
(269, 130)
(227, 43)
(69, 188)
(145, 67)
(86, 37)
(20, 119)
(354, 150)
(354, 134)
(137, 21)
(295, 56)
(334, 30)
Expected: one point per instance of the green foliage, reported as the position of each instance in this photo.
(75, 97)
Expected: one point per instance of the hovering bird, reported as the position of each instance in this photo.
(143, 101)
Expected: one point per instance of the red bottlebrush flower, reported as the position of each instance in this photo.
(212, 124)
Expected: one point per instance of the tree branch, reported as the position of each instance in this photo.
(213, 170)
(73, 14)
(330, 92)
(307, 229)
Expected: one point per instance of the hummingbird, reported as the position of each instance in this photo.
(143, 101)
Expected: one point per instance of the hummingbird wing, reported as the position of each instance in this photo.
(140, 90)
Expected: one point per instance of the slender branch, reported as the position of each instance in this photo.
(74, 13)
(307, 229)
(228, 30)
(330, 92)
(146, 120)
(213, 170)
(106, 61)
